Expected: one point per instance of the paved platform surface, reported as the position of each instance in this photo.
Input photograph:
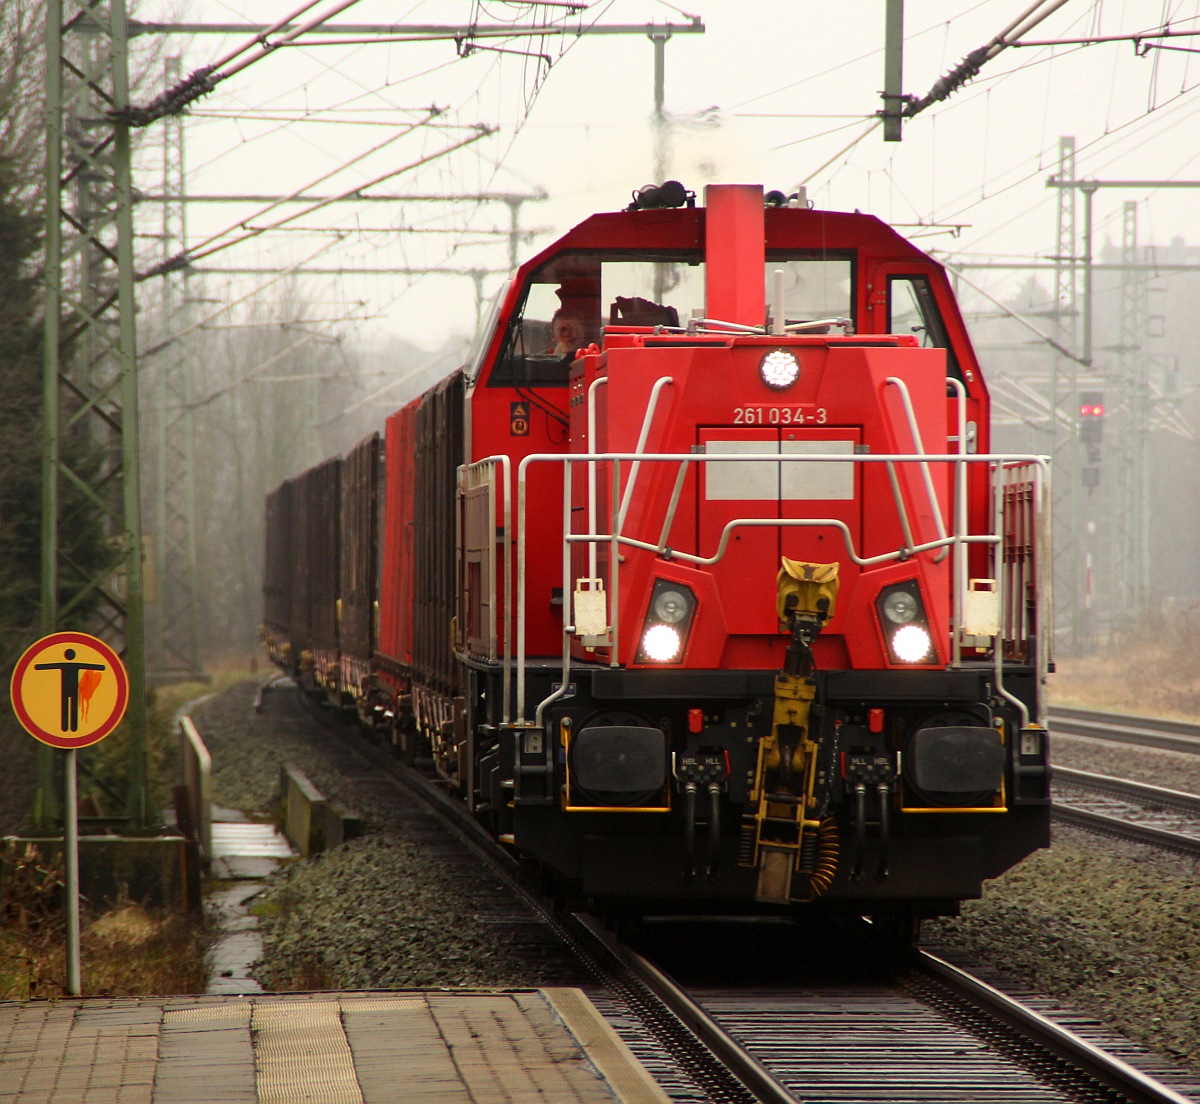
(547, 1045)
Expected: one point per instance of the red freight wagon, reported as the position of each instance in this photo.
(277, 573)
(358, 568)
(315, 595)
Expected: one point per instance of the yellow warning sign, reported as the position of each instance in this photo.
(70, 690)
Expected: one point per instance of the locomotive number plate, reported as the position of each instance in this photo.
(779, 415)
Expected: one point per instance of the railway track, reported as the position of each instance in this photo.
(1123, 728)
(1127, 809)
(933, 1034)
(1123, 808)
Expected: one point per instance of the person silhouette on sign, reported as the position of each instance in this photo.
(70, 686)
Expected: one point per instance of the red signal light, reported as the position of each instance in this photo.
(1091, 418)
(1091, 404)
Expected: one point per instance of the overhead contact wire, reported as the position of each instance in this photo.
(188, 256)
(969, 67)
(204, 80)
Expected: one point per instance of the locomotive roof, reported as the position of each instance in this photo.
(787, 228)
(873, 251)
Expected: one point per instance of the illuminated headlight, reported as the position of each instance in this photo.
(661, 643)
(672, 609)
(779, 369)
(911, 643)
(905, 627)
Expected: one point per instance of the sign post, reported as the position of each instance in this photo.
(70, 690)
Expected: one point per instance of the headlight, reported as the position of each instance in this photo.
(668, 623)
(779, 369)
(900, 607)
(911, 643)
(905, 627)
(661, 643)
(670, 606)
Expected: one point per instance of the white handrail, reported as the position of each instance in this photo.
(647, 419)
(591, 442)
(1039, 468)
(910, 414)
(960, 525)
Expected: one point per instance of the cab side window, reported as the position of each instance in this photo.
(528, 358)
(912, 309)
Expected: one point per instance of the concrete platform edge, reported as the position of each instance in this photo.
(606, 1050)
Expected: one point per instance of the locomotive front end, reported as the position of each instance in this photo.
(775, 610)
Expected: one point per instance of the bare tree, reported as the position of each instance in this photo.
(23, 97)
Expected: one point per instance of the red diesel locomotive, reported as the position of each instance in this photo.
(726, 607)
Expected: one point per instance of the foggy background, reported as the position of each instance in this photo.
(381, 297)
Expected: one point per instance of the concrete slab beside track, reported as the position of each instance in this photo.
(336, 1048)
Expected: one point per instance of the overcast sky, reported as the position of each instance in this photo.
(774, 92)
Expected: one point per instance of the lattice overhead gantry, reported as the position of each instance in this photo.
(90, 357)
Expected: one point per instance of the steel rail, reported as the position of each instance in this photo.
(593, 942)
(1088, 1060)
(1107, 1069)
(741, 1063)
(1125, 829)
(1112, 823)
(1129, 790)
(1124, 728)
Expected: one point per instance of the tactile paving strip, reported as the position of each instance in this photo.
(301, 1053)
(386, 1004)
(206, 1012)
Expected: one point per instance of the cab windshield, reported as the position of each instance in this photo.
(569, 300)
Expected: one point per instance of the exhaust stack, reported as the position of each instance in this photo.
(735, 254)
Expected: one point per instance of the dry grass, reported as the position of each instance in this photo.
(1153, 669)
(167, 959)
(127, 952)
(223, 672)
(130, 952)
(307, 975)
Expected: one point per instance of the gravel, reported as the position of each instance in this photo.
(375, 914)
(1108, 927)
(1112, 929)
(1173, 769)
(397, 907)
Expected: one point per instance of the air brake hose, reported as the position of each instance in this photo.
(689, 816)
(885, 828)
(860, 830)
(714, 827)
(828, 844)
